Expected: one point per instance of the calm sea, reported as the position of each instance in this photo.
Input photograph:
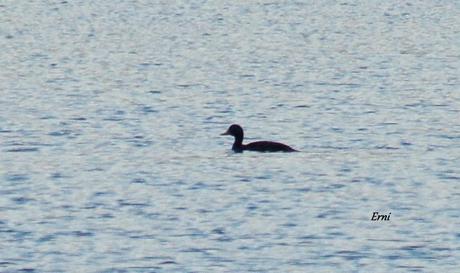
(111, 158)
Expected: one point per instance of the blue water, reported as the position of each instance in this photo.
(111, 158)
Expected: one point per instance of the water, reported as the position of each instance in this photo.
(111, 159)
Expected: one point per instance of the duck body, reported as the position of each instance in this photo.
(267, 146)
(258, 146)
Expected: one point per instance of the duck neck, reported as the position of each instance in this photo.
(238, 144)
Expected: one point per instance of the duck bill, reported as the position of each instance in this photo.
(225, 134)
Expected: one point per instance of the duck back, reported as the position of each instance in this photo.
(268, 146)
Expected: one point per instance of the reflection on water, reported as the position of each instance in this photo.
(111, 159)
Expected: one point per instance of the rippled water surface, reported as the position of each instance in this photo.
(111, 159)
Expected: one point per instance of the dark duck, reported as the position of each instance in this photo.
(258, 146)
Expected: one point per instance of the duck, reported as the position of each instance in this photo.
(236, 131)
